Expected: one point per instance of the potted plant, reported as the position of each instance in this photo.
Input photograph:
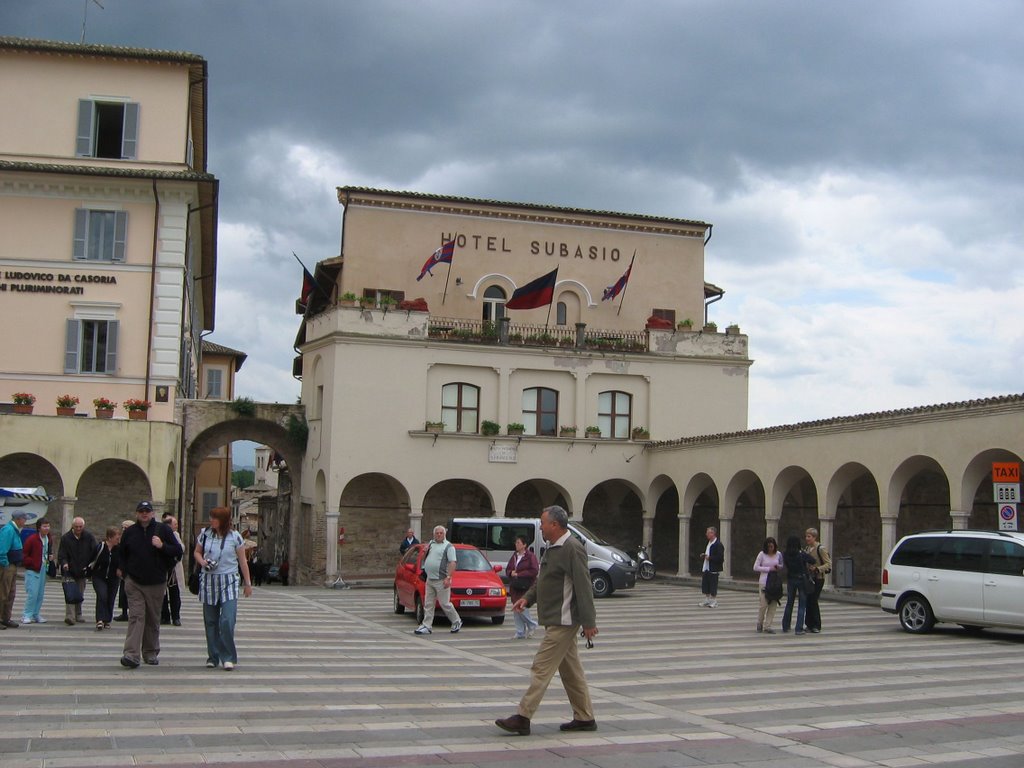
(66, 405)
(711, 327)
(368, 302)
(23, 402)
(348, 299)
(104, 408)
(137, 409)
(567, 431)
(641, 433)
(732, 329)
(592, 432)
(489, 428)
(387, 302)
(685, 325)
(434, 426)
(515, 428)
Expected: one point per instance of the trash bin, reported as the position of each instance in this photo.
(843, 573)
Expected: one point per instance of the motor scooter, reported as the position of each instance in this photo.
(645, 566)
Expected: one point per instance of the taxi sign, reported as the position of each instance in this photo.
(1005, 472)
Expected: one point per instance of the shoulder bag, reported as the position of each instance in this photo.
(196, 573)
(72, 592)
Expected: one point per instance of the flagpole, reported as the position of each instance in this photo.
(547, 320)
(455, 239)
(630, 270)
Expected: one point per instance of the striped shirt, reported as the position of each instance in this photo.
(220, 585)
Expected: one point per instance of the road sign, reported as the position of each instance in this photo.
(1007, 517)
(1006, 493)
(1005, 472)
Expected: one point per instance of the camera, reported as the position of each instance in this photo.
(210, 565)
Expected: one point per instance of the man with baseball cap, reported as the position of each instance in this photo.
(10, 557)
(148, 551)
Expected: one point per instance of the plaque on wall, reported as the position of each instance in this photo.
(503, 453)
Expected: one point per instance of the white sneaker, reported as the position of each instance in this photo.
(39, 620)
(229, 665)
(26, 619)
(456, 627)
(422, 630)
(531, 633)
(713, 604)
(704, 603)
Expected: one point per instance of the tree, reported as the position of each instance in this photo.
(243, 478)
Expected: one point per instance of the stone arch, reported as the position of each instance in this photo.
(976, 488)
(29, 470)
(701, 505)
(108, 492)
(457, 497)
(795, 500)
(744, 504)
(852, 500)
(210, 424)
(374, 511)
(530, 497)
(664, 543)
(613, 510)
(918, 494)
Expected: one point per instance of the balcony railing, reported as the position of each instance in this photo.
(522, 334)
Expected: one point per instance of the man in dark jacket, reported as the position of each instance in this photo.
(148, 551)
(77, 549)
(714, 561)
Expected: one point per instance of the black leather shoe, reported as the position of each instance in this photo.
(516, 724)
(122, 617)
(579, 725)
(152, 662)
(176, 622)
(126, 662)
(11, 624)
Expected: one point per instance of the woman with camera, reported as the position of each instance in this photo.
(220, 552)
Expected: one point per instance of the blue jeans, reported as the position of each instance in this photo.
(794, 588)
(35, 590)
(220, 631)
(524, 622)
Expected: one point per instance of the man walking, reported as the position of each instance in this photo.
(439, 563)
(565, 603)
(77, 549)
(148, 551)
(714, 560)
(410, 540)
(11, 555)
(822, 565)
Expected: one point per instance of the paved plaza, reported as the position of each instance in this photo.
(335, 678)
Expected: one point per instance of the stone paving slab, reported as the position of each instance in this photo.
(335, 679)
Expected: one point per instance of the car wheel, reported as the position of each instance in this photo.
(498, 619)
(399, 608)
(419, 610)
(916, 615)
(646, 571)
(601, 583)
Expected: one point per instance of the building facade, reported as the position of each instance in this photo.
(107, 266)
(217, 373)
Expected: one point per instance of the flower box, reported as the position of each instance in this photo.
(104, 413)
(65, 411)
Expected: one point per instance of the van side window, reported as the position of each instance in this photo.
(470, 533)
(504, 536)
(917, 553)
(1006, 558)
(961, 554)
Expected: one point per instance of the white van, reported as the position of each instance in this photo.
(610, 567)
(971, 578)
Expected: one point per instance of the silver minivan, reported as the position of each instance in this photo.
(610, 567)
(971, 578)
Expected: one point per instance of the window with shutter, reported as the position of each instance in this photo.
(107, 129)
(100, 235)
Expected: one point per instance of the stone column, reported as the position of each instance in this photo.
(725, 535)
(888, 536)
(684, 545)
(771, 529)
(333, 516)
(416, 521)
(648, 534)
(67, 513)
(958, 519)
(826, 527)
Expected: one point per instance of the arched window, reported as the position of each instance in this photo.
(494, 304)
(560, 313)
(540, 411)
(460, 407)
(614, 411)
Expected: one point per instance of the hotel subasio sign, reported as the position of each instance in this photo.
(18, 281)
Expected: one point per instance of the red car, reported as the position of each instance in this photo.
(477, 589)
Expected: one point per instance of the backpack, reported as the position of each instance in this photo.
(773, 587)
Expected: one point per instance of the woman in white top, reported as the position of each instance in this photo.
(768, 559)
(220, 552)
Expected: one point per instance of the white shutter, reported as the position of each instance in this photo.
(83, 140)
(120, 234)
(81, 233)
(130, 134)
(71, 347)
(111, 361)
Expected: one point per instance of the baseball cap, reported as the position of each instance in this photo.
(144, 505)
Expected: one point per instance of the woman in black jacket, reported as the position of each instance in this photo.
(105, 579)
(796, 561)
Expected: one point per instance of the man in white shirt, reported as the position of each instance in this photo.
(439, 565)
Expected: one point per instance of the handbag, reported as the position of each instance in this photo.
(195, 574)
(520, 584)
(72, 592)
(15, 556)
(808, 583)
(51, 569)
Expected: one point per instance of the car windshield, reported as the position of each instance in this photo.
(472, 560)
(596, 539)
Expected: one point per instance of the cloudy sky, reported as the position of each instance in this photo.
(861, 163)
